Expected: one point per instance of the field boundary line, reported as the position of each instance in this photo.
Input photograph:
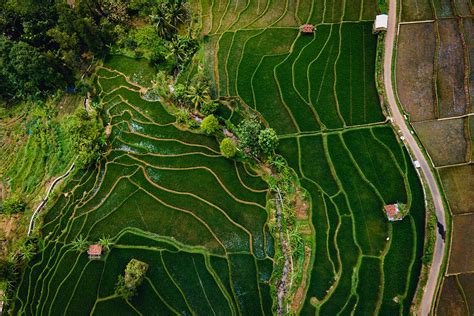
(334, 85)
(198, 218)
(295, 88)
(416, 22)
(159, 296)
(223, 212)
(280, 94)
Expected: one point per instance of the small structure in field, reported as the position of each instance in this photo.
(94, 251)
(381, 23)
(395, 212)
(307, 29)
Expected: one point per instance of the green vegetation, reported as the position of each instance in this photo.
(267, 140)
(24, 70)
(210, 124)
(12, 205)
(295, 223)
(134, 274)
(167, 197)
(318, 92)
(49, 45)
(228, 148)
(86, 132)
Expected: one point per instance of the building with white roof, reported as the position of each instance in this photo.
(381, 23)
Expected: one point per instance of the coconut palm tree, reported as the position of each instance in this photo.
(80, 244)
(26, 251)
(162, 25)
(177, 12)
(197, 95)
(106, 243)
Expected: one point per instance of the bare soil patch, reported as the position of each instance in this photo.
(463, 8)
(301, 206)
(458, 184)
(8, 227)
(462, 257)
(414, 70)
(466, 280)
(451, 302)
(452, 99)
(300, 292)
(468, 27)
(445, 140)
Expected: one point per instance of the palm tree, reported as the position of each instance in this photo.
(160, 22)
(106, 243)
(26, 252)
(177, 12)
(80, 244)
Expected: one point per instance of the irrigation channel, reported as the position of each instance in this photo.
(45, 200)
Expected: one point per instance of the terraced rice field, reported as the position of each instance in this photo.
(163, 196)
(318, 92)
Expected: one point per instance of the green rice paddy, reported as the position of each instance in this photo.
(166, 197)
(318, 92)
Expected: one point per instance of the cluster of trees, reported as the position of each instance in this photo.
(255, 140)
(161, 40)
(45, 45)
(25, 71)
(134, 274)
(87, 136)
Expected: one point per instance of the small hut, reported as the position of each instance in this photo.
(95, 251)
(393, 212)
(380, 24)
(307, 29)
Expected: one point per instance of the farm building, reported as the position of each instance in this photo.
(95, 251)
(381, 23)
(393, 212)
(307, 29)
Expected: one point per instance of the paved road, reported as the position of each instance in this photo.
(429, 179)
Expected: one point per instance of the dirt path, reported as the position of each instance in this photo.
(398, 120)
(281, 288)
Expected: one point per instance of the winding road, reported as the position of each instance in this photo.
(399, 122)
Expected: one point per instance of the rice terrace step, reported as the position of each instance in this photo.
(237, 157)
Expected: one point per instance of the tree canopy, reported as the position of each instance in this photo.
(228, 148)
(25, 71)
(210, 124)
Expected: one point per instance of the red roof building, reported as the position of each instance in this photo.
(393, 212)
(307, 28)
(95, 251)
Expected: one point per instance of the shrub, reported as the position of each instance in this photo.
(228, 148)
(134, 274)
(182, 116)
(248, 132)
(267, 140)
(208, 108)
(210, 124)
(12, 205)
(86, 133)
